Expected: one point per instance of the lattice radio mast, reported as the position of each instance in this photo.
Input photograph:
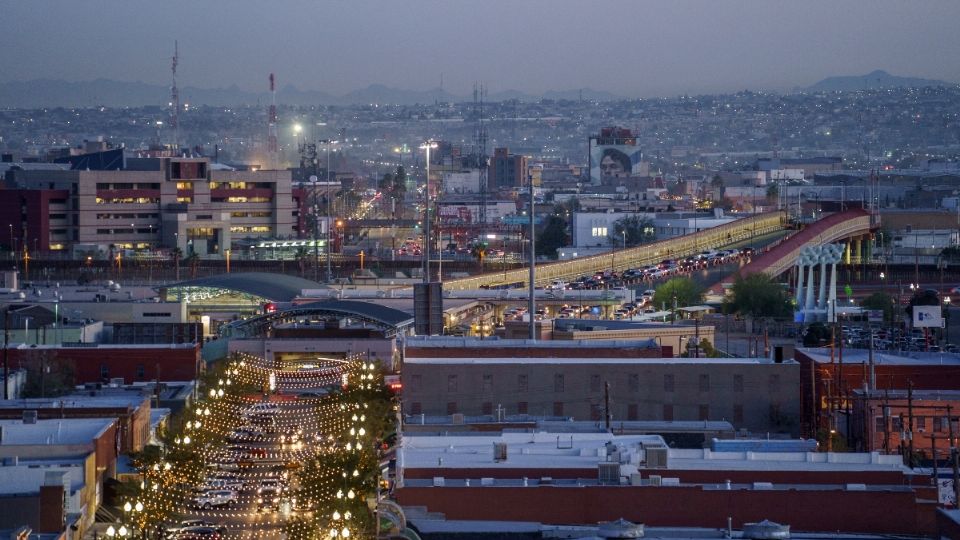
(272, 149)
(479, 91)
(175, 99)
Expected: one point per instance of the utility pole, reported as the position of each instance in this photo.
(910, 423)
(6, 353)
(533, 264)
(886, 422)
(606, 405)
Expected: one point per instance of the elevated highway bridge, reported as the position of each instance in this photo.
(852, 227)
(729, 234)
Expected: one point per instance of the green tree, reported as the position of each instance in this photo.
(879, 301)
(686, 292)
(816, 335)
(553, 236)
(759, 295)
(773, 193)
(639, 230)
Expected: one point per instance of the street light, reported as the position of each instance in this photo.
(427, 146)
(316, 248)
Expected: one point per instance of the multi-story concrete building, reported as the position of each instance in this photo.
(507, 170)
(189, 203)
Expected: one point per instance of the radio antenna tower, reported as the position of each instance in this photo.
(481, 141)
(175, 99)
(272, 126)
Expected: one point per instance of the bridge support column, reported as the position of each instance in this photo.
(800, 276)
(857, 250)
(811, 283)
(846, 252)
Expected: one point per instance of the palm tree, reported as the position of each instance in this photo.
(177, 254)
(193, 260)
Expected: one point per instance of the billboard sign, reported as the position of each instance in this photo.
(927, 317)
(875, 315)
(610, 160)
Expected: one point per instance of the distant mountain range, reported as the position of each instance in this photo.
(53, 93)
(59, 93)
(872, 81)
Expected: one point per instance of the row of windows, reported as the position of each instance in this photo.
(126, 230)
(124, 216)
(939, 424)
(633, 411)
(241, 185)
(147, 185)
(251, 214)
(598, 232)
(249, 229)
(128, 200)
(239, 199)
(596, 381)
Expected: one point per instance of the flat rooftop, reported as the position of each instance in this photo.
(591, 360)
(109, 346)
(76, 402)
(862, 356)
(448, 342)
(556, 450)
(27, 478)
(65, 431)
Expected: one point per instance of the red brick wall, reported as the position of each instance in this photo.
(106, 448)
(51, 518)
(803, 510)
(170, 364)
(532, 352)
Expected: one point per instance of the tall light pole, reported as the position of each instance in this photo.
(426, 146)
(533, 265)
(316, 248)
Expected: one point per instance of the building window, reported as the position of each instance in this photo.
(415, 381)
(667, 412)
(416, 408)
(140, 371)
(921, 423)
(738, 383)
(451, 383)
(775, 414)
(634, 382)
(598, 232)
(486, 408)
(896, 423)
(522, 407)
(522, 383)
(704, 383)
(668, 382)
(487, 382)
(737, 414)
(558, 408)
(104, 371)
(881, 426)
(704, 412)
(594, 383)
(558, 382)
(451, 407)
(774, 383)
(632, 412)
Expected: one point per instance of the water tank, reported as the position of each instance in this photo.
(766, 530)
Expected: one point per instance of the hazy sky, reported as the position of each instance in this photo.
(629, 47)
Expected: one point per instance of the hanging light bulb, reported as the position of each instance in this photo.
(356, 473)
(347, 515)
(127, 506)
(354, 418)
(345, 533)
(336, 515)
(186, 439)
(138, 507)
(213, 393)
(206, 412)
(339, 493)
(362, 432)
(334, 533)
(220, 392)
(351, 494)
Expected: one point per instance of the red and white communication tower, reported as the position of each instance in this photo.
(272, 150)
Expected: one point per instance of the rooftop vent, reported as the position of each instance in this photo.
(766, 530)
(29, 417)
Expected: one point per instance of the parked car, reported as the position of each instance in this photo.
(216, 498)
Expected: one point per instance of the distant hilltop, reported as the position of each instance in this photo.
(872, 81)
(58, 93)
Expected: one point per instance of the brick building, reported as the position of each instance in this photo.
(100, 363)
(753, 394)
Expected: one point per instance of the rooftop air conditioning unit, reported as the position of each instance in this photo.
(29, 417)
(457, 418)
(608, 474)
(657, 457)
(116, 381)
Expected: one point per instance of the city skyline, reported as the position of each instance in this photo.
(642, 50)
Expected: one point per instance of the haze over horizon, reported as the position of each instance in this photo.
(628, 48)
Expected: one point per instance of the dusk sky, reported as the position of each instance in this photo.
(628, 47)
